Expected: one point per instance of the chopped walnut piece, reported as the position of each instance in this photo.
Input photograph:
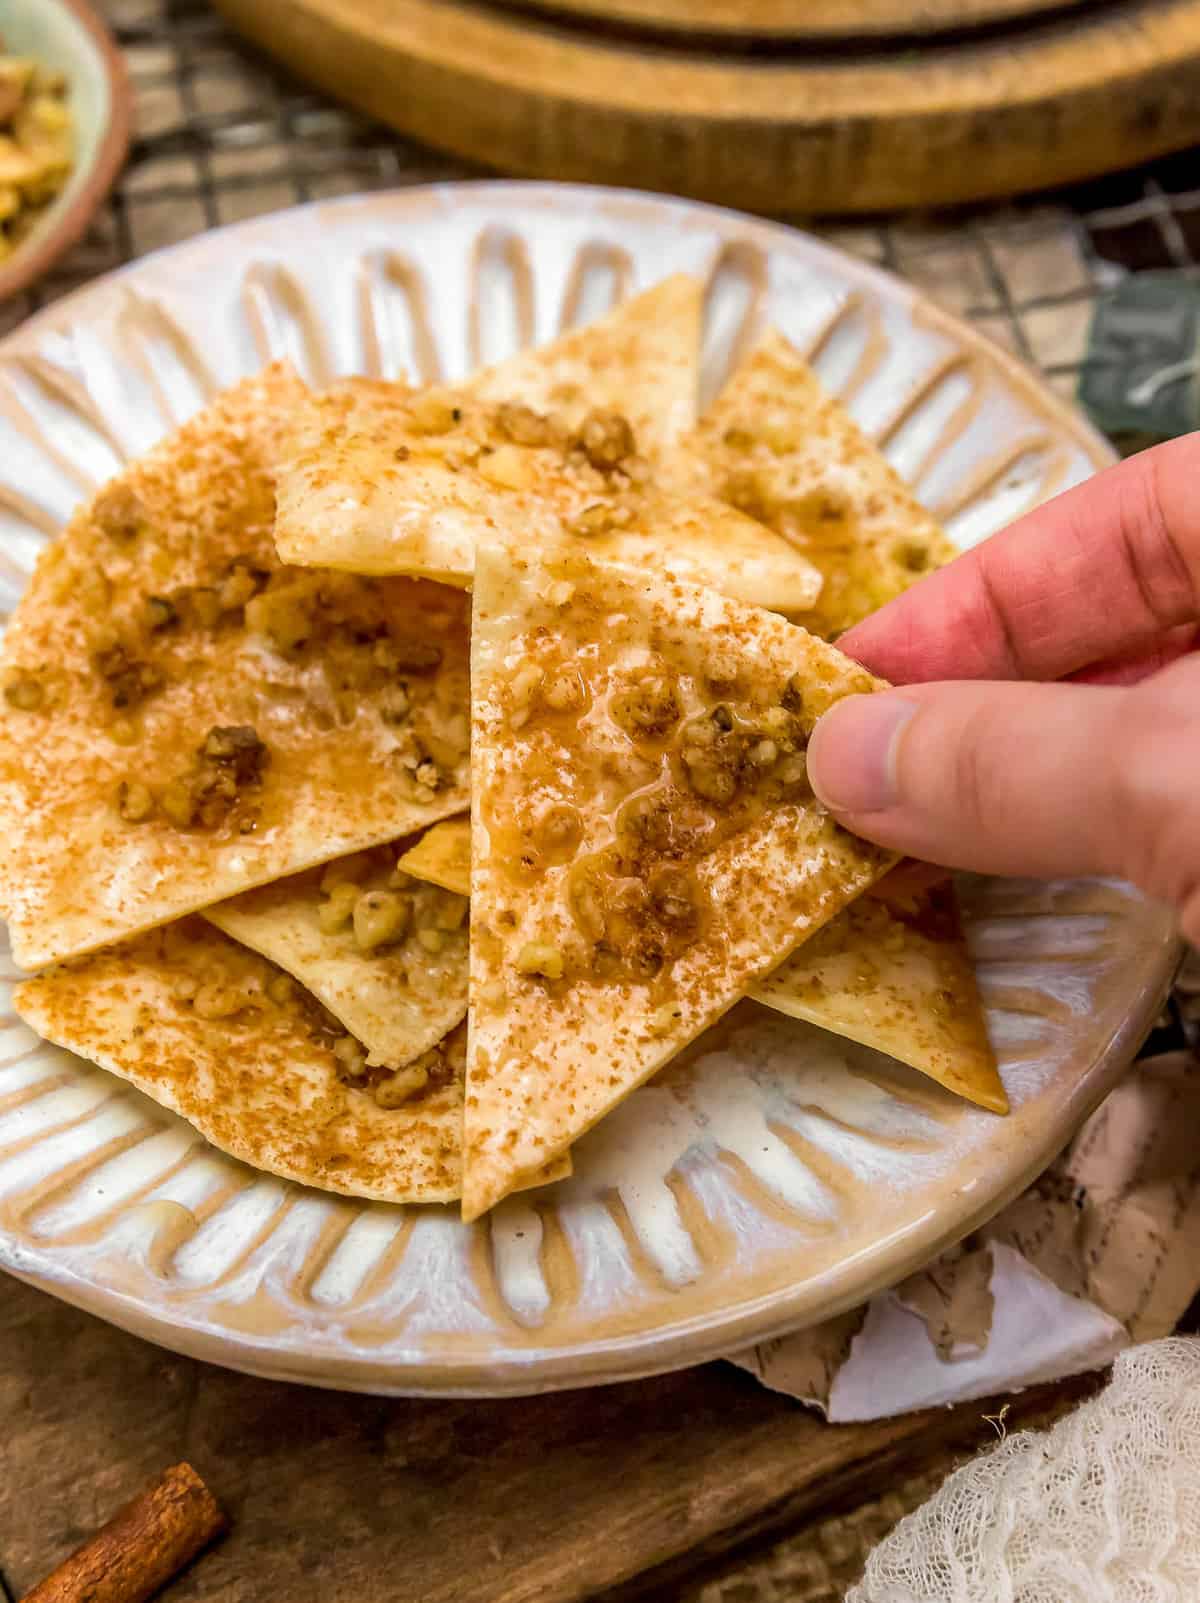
(506, 467)
(450, 913)
(600, 517)
(649, 708)
(606, 439)
(673, 900)
(351, 1059)
(238, 748)
(281, 988)
(401, 1086)
(337, 912)
(523, 426)
(563, 692)
(220, 999)
(709, 774)
(523, 687)
(130, 680)
(134, 801)
(664, 1019)
(381, 918)
(431, 413)
(540, 957)
(284, 617)
(394, 704)
(119, 513)
(178, 802)
(792, 699)
(792, 777)
(25, 692)
(241, 584)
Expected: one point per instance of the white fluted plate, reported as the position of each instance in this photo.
(774, 1176)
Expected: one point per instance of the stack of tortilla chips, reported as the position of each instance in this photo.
(393, 780)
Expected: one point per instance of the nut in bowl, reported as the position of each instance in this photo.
(64, 130)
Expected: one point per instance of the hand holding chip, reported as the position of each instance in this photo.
(1100, 587)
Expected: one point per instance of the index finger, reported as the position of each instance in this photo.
(1098, 573)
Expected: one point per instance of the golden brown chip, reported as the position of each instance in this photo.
(386, 956)
(642, 361)
(203, 1025)
(443, 856)
(389, 481)
(183, 718)
(895, 975)
(777, 446)
(645, 843)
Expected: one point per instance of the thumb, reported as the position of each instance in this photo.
(1039, 779)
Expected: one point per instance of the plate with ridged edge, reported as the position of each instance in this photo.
(772, 1176)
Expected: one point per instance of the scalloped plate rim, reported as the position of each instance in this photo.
(701, 1336)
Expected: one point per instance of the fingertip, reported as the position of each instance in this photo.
(852, 752)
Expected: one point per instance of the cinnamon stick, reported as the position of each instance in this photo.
(140, 1548)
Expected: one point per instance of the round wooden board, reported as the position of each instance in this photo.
(1035, 106)
(785, 19)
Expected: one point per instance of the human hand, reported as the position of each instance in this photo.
(1101, 775)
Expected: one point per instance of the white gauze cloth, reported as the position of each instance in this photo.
(1103, 1508)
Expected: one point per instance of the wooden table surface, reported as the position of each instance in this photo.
(612, 1492)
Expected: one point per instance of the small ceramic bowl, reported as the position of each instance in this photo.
(69, 36)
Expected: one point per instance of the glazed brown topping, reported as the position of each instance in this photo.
(606, 439)
(130, 680)
(118, 512)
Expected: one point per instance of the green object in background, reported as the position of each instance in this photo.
(1141, 374)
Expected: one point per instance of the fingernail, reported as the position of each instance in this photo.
(852, 753)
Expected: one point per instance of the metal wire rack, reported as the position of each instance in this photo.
(222, 134)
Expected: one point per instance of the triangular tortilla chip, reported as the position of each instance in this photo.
(645, 844)
(204, 1026)
(892, 972)
(780, 448)
(442, 856)
(386, 955)
(182, 719)
(642, 360)
(384, 480)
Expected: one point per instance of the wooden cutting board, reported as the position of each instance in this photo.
(804, 19)
(1034, 101)
(343, 1499)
